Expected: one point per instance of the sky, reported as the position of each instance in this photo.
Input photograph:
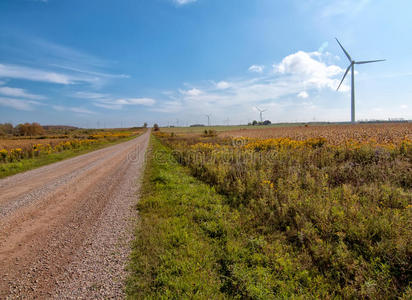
(106, 63)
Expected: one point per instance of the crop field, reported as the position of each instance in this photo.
(317, 212)
(22, 153)
(224, 128)
(336, 134)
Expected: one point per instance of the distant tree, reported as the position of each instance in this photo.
(156, 127)
(145, 125)
(28, 129)
(267, 122)
(6, 129)
(36, 129)
(254, 122)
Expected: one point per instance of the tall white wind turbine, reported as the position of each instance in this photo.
(352, 68)
(261, 111)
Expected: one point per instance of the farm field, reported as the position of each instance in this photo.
(336, 134)
(310, 212)
(24, 153)
(224, 128)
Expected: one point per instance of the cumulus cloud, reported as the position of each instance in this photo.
(16, 92)
(307, 67)
(191, 92)
(221, 85)
(303, 95)
(256, 68)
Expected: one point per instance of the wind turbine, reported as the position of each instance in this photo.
(208, 119)
(352, 67)
(261, 111)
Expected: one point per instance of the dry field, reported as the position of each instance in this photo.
(335, 134)
(9, 144)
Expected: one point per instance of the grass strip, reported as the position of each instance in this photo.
(180, 234)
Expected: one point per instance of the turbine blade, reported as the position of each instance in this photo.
(346, 73)
(346, 53)
(368, 61)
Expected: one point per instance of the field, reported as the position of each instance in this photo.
(337, 134)
(24, 153)
(222, 128)
(310, 212)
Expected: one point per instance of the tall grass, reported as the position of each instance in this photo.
(315, 219)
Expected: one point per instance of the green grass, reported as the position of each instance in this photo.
(12, 168)
(177, 247)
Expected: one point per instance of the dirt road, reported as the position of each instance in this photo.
(65, 228)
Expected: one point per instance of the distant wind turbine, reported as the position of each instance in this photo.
(261, 111)
(208, 119)
(352, 67)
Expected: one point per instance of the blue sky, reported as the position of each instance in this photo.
(111, 63)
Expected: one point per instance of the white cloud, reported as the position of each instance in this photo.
(221, 85)
(303, 95)
(191, 92)
(89, 95)
(78, 110)
(88, 72)
(27, 73)
(16, 92)
(183, 2)
(256, 68)
(120, 103)
(136, 101)
(308, 68)
(404, 106)
(18, 104)
(109, 102)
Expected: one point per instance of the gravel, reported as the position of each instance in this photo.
(66, 229)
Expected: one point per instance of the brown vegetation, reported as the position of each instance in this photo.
(336, 134)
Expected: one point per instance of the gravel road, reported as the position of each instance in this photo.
(66, 228)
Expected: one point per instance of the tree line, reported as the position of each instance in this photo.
(26, 129)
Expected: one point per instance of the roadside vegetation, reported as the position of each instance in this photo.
(22, 153)
(180, 234)
(307, 218)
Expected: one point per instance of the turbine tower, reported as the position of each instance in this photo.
(261, 111)
(208, 119)
(352, 68)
